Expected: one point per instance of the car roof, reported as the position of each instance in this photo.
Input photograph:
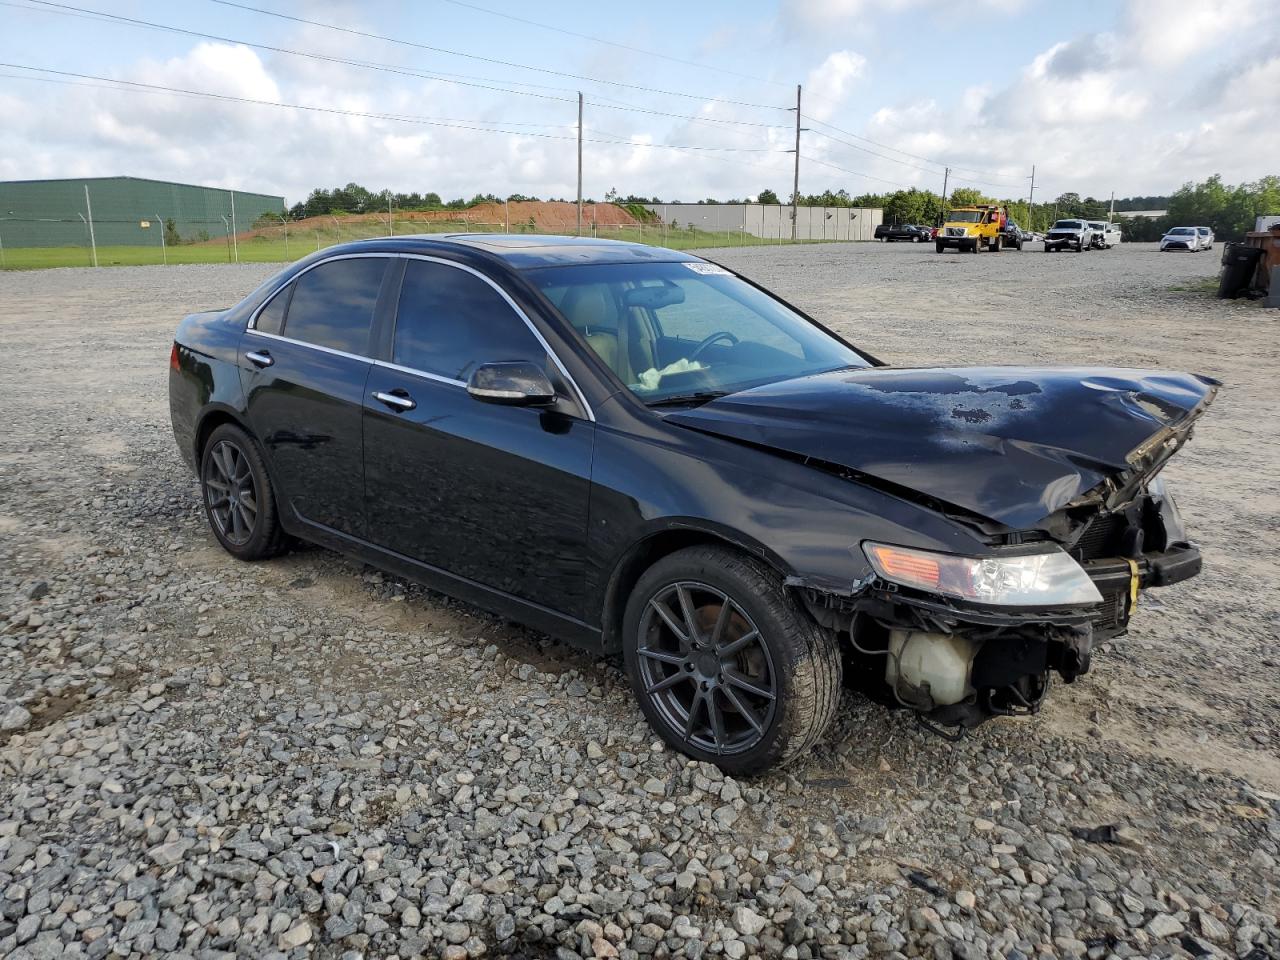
(526, 251)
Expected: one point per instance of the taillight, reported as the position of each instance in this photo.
(174, 363)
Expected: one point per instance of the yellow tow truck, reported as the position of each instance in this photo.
(973, 228)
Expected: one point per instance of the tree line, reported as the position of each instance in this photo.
(1229, 210)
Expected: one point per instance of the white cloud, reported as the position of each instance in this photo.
(1160, 32)
(1115, 107)
(829, 83)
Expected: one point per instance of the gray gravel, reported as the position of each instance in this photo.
(307, 757)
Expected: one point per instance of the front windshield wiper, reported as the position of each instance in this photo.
(698, 397)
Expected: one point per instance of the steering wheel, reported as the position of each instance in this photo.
(721, 335)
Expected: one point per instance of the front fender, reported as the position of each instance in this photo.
(807, 524)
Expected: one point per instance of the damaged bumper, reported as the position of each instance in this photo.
(959, 664)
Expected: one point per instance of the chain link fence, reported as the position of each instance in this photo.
(203, 240)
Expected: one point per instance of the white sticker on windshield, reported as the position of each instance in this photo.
(708, 269)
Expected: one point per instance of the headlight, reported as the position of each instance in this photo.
(1047, 579)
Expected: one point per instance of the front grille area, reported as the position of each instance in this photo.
(955, 231)
(1112, 615)
(1101, 537)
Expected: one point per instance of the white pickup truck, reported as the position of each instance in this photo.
(1105, 235)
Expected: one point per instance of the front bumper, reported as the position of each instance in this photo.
(1014, 650)
(1062, 240)
(1178, 245)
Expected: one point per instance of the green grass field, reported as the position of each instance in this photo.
(276, 248)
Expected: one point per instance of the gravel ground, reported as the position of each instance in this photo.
(307, 757)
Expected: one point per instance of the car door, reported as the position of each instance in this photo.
(491, 493)
(305, 361)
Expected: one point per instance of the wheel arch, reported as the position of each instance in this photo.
(212, 418)
(648, 550)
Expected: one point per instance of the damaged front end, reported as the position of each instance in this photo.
(960, 640)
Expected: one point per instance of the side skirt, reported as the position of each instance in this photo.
(532, 615)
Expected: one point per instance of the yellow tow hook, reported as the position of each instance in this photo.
(1133, 582)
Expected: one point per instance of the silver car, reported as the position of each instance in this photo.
(1074, 235)
(1181, 238)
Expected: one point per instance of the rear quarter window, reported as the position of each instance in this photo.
(332, 304)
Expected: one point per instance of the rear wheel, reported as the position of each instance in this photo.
(726, 666)
(996, 244)
(239, 501)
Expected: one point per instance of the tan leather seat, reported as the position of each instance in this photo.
(593, 314)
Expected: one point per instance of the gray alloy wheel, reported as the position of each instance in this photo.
(238, 497)
(233, 495)
(706, 669)
(726, 663)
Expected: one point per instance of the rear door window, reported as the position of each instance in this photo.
(332, 304)
(449, 322)
(271, 317)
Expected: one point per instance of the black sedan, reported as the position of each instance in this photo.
(639, 451)
(889, 232)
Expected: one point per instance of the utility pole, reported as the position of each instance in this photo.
(946, 175)
(164, 256)
(1112, 214)
(579, 163)
(391, 231)
(88, 207)
(234, 242)
(1031, 198)
(795, 187)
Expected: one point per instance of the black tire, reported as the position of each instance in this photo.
(239, 500)
(977, 246)
(997, 244)
(786, 652)
(939, 247)
(915, 239)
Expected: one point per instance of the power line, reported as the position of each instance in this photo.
(914, 156)
(913, 166)
(471, 56)
(372, 65)
(612, 43)
(135, 86)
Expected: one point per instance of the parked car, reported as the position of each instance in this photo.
(1074, 235)
(1181, 238)
(1206, 238)
(1105, 234)
(1015, 236)
(640, 452)
(901, 231)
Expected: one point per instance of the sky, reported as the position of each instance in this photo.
(682, 100)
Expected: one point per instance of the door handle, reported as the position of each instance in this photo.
(260, 358)
(397, 400)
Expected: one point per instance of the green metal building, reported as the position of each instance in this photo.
(127, 211)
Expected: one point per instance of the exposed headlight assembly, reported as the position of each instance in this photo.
(1046, 579)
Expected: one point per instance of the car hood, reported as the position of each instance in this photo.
(1012, 444)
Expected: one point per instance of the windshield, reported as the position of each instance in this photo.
(1203, 231)
(1097, 226)
(1180, 231)
(681, 329)
(1067, 225)
(964, 216)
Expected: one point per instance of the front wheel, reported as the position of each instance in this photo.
(939, 247)
(238, 498)
(726, 665)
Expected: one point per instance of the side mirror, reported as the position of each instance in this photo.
(516, 383)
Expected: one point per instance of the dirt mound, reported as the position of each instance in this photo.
(547, 216)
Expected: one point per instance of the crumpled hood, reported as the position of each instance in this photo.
(1013, 444)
